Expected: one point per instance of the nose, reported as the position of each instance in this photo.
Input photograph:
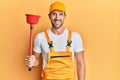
(57, 17)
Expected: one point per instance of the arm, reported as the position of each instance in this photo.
(38, 56)
(80, 65)
(33, 60)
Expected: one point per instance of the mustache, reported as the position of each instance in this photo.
(56, 20)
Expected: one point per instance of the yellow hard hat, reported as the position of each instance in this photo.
(57, 6)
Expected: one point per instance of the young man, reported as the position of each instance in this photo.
(58, 47)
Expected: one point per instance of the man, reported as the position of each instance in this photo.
(58, 47)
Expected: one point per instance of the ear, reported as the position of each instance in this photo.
(49, 16)
(65, 14)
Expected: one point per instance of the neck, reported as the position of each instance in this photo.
(57, 31)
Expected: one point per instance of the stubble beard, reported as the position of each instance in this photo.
(55, 26)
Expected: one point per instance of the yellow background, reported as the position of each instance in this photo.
(98, 22)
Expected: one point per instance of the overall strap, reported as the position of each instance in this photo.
(69, 41)
(50, 43)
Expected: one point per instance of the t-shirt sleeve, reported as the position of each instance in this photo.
(78, 43)
(37, 44)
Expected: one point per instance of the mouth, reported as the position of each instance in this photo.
(57, 22)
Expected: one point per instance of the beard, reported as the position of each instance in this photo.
(56, 27)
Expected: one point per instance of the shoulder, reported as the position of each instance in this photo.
(41, 35)
(75, 35)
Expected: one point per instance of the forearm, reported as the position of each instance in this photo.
(36, 63)
(81, 70)
(37, 59)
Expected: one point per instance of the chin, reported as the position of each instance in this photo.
(57, 26)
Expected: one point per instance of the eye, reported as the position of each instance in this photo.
(61, 14)
(53, 14)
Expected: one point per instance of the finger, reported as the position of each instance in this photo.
(28, 64)
(28, 61)
(28, 58)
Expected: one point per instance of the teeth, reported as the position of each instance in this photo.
(57, 21)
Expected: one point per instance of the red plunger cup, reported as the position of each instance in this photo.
(31, 19)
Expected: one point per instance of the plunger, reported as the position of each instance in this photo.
(32, 20)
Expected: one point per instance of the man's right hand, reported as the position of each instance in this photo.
(30, 60)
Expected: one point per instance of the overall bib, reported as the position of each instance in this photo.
(60, 65)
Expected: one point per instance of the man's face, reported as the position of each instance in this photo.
(57, 18)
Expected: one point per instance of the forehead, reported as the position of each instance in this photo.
(57, 11)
